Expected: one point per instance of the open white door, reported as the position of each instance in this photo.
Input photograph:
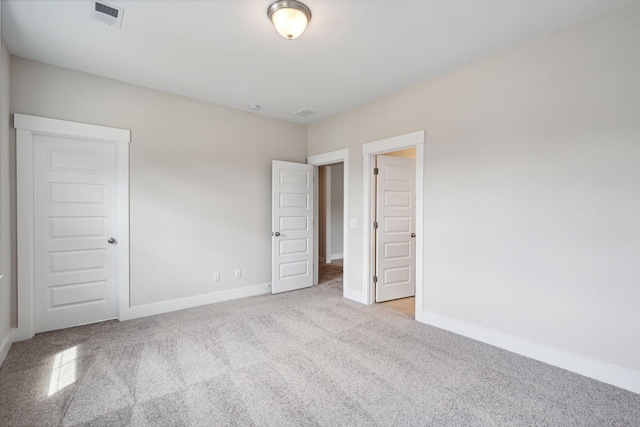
(292, 226)
(395, 233)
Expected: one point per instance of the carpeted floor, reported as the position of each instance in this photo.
(307, 357)
(329, 273)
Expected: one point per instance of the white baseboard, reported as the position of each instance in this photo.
(336, 256)
(6, 344)
(356, 296)
(196, 301)
(619, 377)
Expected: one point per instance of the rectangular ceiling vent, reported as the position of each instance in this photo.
(305, 112)
(107, 13)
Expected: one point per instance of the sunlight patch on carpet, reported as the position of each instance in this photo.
(64, 370)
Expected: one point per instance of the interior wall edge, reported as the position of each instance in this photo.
(355, 295)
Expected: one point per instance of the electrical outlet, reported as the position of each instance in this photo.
(216, 277)
(238, 273)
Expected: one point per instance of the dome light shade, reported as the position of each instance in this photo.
(290, 17)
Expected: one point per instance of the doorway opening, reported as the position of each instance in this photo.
(338, 276)
(410, 228)
(330, 224)
(394, 230)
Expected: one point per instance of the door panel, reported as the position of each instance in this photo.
(62, 228)
(292, 222)
(294, 246)
(74, 216)
(77, 293)
(395, 214)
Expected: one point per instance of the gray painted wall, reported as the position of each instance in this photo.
(200, 177)
(7, 260)
(531, 187)
(337, 208)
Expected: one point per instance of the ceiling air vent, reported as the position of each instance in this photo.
(107, 13)
(305, 112)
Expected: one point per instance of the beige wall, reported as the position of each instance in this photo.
(200, 177)
(322, 214)
(7, 282)
(531, 187)
(337, 208)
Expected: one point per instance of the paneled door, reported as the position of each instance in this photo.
(74, 232)
(395, 232)
(292, 226)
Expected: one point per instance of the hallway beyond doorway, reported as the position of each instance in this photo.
(330, 272)
(405, 305)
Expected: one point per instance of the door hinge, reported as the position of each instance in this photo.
(375, 279)
(375, 224)
(375, 171)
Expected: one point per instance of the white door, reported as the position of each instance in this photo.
(395, 232)
(292, 226)
(74, 219)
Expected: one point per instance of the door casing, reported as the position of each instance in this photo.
(26, 128)
(369, 151)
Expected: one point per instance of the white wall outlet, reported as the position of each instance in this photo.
(216, 277)
(238, 273)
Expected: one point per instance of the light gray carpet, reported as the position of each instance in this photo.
(307, 357)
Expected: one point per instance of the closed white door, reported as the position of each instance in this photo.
(395, 232)
(74, 221)
(292, 227)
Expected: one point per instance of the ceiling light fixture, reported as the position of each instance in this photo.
(290, 17)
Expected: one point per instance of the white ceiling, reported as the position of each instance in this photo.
(227, 52)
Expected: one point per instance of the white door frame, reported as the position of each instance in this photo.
(369, 150)
(327, 159)
(27, 127)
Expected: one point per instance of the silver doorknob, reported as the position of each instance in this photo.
(111, 240)
(277, 233)
(413, 234)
